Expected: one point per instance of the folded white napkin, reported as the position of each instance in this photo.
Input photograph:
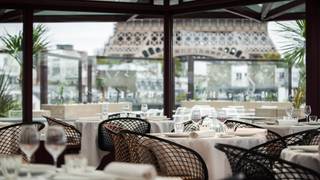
(256, 131)
(68, 176)
(131, 171)
(287, 122)
(202, 134)
(157, 118)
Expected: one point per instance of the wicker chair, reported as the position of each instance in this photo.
(10, 135)
(124, 114)
(132, 124)
(273, 148)
(72, 133)
(120, 150)
(169, 158)
(259, 166)
(271, 135)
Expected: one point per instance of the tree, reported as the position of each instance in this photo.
(13, 44)
(294, 53)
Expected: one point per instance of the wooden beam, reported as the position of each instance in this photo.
(289, 17)
(208, 15)
(14, 15)
(265, 10)
(284, 8)
(27, 46)
(205, 5)
(313, 55)
(85, 6)
(245, 13)
(168, 67)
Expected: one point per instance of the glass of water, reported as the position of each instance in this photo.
(10, 166)
(29, 140)
(55, 142)
(75, 163)
(178, 127)
(313, 118)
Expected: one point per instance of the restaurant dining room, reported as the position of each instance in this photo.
(159, 89)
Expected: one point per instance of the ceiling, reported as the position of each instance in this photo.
(126, 10)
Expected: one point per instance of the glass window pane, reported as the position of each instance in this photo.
(10, 68)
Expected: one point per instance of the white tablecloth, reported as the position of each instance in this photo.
(89, 139)
(307, 159)
(289, 129)
(216, 161)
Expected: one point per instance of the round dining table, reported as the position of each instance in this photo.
(89, 140)
(217, 163)
(307, 159)
(284, 130)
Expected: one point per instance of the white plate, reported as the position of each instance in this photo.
(242, 133)
(44, 170)
(314, 123)
(309, 148)
(226, 135)
(183, 134)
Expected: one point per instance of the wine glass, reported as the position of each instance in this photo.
(55, 142)
(144, 109)
(289, 111)
(29, 140)
(307, 111)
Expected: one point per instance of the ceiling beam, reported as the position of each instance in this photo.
(11, 16)
(85, 5)
(245, 12)
(290, 16)
(207, 15)
(284, 8)
(205, 5)
(265, 10)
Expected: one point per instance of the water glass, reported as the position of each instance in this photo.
(178, 127)
(230, 129)
(307, 111)
(29, 140)
(313, 118)
(75, 163)
(144, 109)
(10, 166)
(55, 141)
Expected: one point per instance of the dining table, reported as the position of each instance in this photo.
(307, 156)
(284, 130)
(45, 172)
(88, 126)
(217, 163)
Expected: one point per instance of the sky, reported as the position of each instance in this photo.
(92, 37)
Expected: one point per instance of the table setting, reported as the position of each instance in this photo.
(16, 166)
(204, 140)
(88, 126)
(306, 155)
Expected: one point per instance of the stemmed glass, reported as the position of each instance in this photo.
(55, 142)
(307, 111)
(144, 109)
(29, 140)
(289, 111)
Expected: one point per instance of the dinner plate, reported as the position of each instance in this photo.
(226, 135)
(44, 170)
(183, 134)
(242, 133)
(314, 123)
(309, 148)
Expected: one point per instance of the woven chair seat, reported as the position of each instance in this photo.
(260, 166)
(271, 135)
(10, 137)
(169, 158)
(132, 124)
(73, 134)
